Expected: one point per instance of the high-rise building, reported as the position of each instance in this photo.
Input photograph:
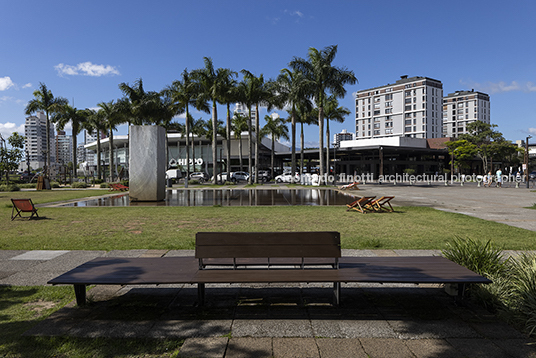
(64, 148)
(411, 107)
(339, 137)
(461, 108)
(36, 140)
(243, 109)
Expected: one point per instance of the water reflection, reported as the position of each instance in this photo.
(231, 197)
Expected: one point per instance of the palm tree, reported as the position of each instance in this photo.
(257, 92)
(289, 91)
(45, 101)
(212, 82)
(332, 111)
(143, 107)
(211, 136)
(185, 93)
(323, 77)
(240, 124)
(198, 128)
(78, 118)
(304, 115)
(112, 115)
(95, 122)
(229, 95)
(276, 128)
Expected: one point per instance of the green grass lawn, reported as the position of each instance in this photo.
(122, 228)
(111, 228)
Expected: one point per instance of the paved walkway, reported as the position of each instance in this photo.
(296, 321)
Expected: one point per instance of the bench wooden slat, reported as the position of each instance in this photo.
(267, 251)
(278, 238)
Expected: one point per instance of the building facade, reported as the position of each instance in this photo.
(411, 107)
(343, 136)
(461, 108)
(36, 141)
(64, 148)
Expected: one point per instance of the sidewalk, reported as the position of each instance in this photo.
(273, 320)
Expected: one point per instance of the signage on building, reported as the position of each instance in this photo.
(182, 161)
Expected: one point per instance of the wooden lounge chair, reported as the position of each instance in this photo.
(381, 204)
(350, 186)
(23, 206)
(362, 204)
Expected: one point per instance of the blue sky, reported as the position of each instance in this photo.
(82, 50)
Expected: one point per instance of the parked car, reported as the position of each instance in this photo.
(238, 176)
(532, 175)
(264, 175)
(201, 176)
(173, 174)
(287, 178)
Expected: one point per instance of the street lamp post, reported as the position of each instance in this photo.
(527, 160)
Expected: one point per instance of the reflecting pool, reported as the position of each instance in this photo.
(231, 197)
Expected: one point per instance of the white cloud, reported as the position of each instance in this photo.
(294, 13)
(28, 85)
(5, 83)
(532, 130)
(6, 129)
(501, 86)
(86, 69)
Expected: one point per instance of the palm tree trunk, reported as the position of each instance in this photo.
(240, 151)
(293, 134)
(111, 155)
(214, 139)
(47, 157)
(301, 149)
(228, 142)
(75, 164)
(250, 144)
(321, 142)
(99, 169)
(273, 156)
(187, 130)
(257, 139)
(328, 169)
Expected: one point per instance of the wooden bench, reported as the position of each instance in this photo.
(278, 257)
(266, 257)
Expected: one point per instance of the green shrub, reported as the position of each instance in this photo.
(523, 298)
(9, 187)
(28, 186)
(98, 181)
(125, 182)
(193, 181)
(229, 183)
(79, 184)
(54, 184)
(104, 185)
(478, 256)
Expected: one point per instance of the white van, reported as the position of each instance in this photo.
(174, 174)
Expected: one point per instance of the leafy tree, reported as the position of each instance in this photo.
(140, 107)
(461, 152)
(276, 128)
(240, 124)
(10, 157)
(211, 136)
(199, 129)
(305, 115)
(229, 95)
(213, 82)
(45, 101)
(78, 118)
(323, 78)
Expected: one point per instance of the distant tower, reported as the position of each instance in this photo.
(461, 108)
(36, 140)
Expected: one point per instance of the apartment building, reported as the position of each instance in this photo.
(411, 107)
(64, 148)
(340, 137)
(463, 107)
(36, 139)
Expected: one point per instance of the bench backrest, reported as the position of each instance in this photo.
(24, 205)
(267, 244)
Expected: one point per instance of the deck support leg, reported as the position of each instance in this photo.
(336, 293)
(80, 293)
(201, 294)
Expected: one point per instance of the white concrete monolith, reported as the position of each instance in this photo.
(147, 163)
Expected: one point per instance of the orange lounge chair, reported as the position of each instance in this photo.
(381, 204)
(362, 204)
(23, 206)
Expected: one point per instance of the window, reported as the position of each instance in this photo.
(407, 100)
(376, 105)
(407, 108)
(377, 132)
(388, 110)
(407, 129)
(376, 125)
(389, 104)
(376, 112)
(389, 131)
(407, 122)
(388, 97)
(408, 93)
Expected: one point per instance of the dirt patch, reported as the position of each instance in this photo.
(40, 305)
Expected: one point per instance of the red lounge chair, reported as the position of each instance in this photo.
(362, 204)
(118, 187)
(23, 206)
